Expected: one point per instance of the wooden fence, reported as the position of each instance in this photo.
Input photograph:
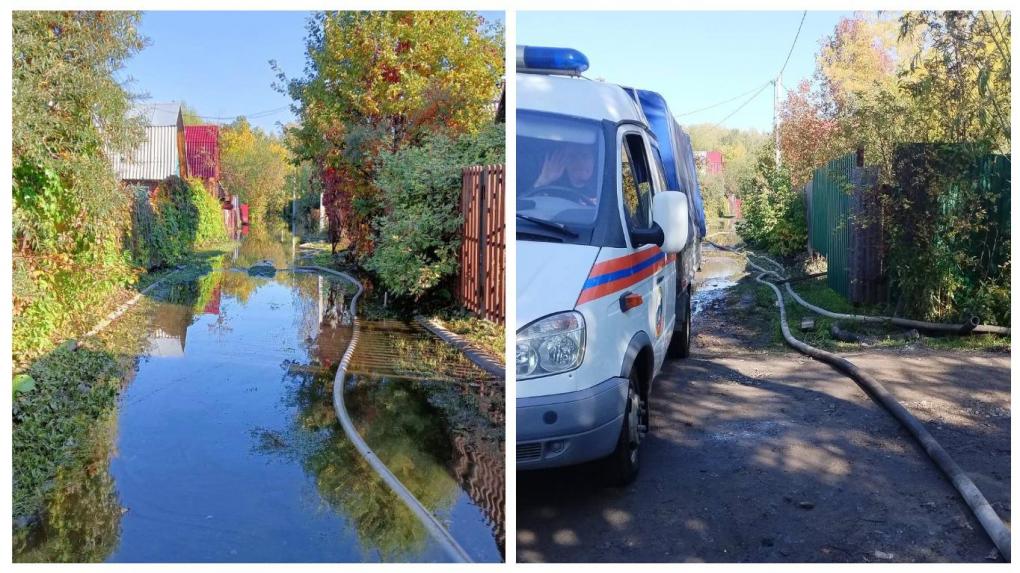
(481, 287)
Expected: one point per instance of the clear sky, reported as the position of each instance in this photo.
(694, 59)
(218, 62)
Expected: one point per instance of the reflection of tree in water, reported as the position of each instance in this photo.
(406, 435)
(81, 517)
(428, 434)
(268, 240)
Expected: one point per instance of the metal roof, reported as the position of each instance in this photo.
(201, 143)
(155, 159)
(158, 113)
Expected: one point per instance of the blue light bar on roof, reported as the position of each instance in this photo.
(551, 60)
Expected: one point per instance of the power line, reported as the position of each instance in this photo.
(717, 104)
(743, 105)
(778, 82)
(760, 88)
(256, 115)
(790, 53)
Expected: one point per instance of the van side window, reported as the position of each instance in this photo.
(637, 182)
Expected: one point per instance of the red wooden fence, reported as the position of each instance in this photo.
(481, 287)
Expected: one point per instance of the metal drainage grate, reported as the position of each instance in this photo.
(528, 452)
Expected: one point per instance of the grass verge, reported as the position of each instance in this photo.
(817, 292)
(486, 335)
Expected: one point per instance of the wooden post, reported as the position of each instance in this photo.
(482, 239)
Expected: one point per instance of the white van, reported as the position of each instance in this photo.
(603, 293)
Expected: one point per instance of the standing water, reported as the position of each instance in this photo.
(719, 271)
(225, 445)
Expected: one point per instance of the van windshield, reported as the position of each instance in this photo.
(559, 168)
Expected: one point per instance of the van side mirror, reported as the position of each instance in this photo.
(670, 212)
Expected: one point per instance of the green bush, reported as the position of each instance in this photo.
(774, 215)
(948, 236)
(64, 268)
(211, 229)
(70, 390)
(418, 237)
(178, 218)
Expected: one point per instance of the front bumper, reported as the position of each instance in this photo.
(571, 428)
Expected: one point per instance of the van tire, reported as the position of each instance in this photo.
(621, 467)
(680, 344)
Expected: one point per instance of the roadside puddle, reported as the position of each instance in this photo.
(720, 271)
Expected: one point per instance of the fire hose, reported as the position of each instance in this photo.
(990, 521)
(435, 529)
(971, 326)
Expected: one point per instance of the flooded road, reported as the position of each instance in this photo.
(225, 445)
(720, 270)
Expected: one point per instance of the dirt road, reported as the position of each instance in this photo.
(762, 455)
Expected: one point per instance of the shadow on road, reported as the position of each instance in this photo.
(767, 459)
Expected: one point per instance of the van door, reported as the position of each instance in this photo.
(637, 186)
(672, 264)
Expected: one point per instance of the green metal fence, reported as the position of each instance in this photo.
(841, 219)
(829, 218)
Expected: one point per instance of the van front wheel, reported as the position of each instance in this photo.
(621, 467)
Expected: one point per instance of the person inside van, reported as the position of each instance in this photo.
(570, 167)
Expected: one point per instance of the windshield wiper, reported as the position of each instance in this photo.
(560, 227)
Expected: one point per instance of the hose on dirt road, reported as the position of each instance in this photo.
(990, 521)
(435, 529)
(972, 326)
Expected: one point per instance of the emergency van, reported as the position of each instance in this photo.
(607, 243)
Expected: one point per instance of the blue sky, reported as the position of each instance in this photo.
(218, 62)
(694, 59)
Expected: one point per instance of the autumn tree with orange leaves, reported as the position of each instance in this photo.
(382, 81)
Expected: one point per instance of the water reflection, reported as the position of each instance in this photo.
(228, 447)
(83, 512)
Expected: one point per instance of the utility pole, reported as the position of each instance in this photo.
(775, 113)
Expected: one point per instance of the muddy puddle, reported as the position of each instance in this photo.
(225, 447)
(720, 270)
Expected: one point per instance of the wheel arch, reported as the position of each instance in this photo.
(640, 355)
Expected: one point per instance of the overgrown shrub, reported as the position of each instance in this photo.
(63, 270)
(70, 391)
(69, 214)
(418, 236)
(948, 233)
(177, 218)
(774, 214)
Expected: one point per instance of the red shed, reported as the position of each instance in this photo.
(202, 146)
(714, 159)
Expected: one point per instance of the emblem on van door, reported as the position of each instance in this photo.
(660, 320)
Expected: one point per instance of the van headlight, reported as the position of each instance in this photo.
(550, 345)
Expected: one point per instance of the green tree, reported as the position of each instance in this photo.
(774, 214)
(418, 236)
(70, 214)
(255, 165)
(380, 81)
(190, 114)
(960, 74)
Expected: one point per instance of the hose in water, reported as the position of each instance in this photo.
(429, 521)
(990, 521)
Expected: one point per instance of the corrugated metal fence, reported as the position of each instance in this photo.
(846, 217)
(828, 220)
(481, 287)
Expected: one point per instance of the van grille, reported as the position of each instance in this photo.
(528, 452)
